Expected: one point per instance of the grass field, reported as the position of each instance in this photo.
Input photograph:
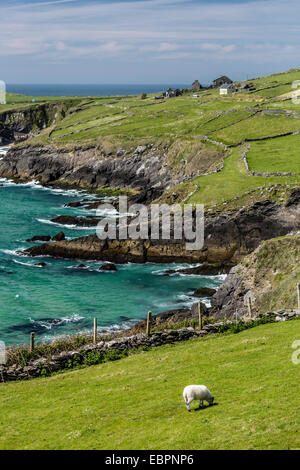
(136, 403)
(278, 155)
(124, 122)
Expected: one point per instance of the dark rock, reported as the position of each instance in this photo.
(108, 267)
(60, 236)
(229, 237)
(204, 292)
(74, 204)
(39, 238)
(224, 303)
(206, 269)
(41, 265)
(294, 197)
(78, 221)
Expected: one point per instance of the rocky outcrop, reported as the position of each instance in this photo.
(39, 238)
(230, 298)
(76, 221)
(204, 292)
(109, 267)
(60, 236)
(148, 169)
(87, 168)
(228, 237)
(206, 269)
(267, 278)
(18, 125)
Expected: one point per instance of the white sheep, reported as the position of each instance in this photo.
(197, 392)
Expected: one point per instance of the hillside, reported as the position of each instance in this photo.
(269, 276)
(250, 138)
(136, 403)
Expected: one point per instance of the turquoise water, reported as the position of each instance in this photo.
(60, 299)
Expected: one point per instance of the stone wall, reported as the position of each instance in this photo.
(46, 366)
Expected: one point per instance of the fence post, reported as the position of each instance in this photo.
(32, 341)
(250, 307)
(95, 331)
(200, 315)
(298, 291)
(148, 329)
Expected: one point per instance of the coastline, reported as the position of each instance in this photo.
(16, 263)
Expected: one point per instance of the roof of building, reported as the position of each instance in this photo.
(226, 86)
(223, 79)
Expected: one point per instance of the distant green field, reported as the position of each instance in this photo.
(278, 155)
(136, 403)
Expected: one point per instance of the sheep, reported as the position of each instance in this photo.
(197, 392)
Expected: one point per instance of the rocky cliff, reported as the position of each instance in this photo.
(228, 237)
(88, 167)
(18, 125)
(268, 276)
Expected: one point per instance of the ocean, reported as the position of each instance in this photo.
(89, 90)
(60, 299)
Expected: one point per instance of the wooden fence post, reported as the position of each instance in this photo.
(95, 331)
(200, 315)
(148, 329)
(249, 307)
(32, 341)
(298, 292)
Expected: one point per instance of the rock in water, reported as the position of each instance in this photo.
(41, 265)
(59, 237)
(204, 292)
(39, 238)
(79, 221)
(108, 267)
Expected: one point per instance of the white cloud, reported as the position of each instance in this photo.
(63, 30)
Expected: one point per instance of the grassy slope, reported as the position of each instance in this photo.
(136, 403)
(278, 155)
(124, 122)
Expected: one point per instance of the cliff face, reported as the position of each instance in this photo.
(87, 167)
(268, 277)
(227, 239)
(18, 125)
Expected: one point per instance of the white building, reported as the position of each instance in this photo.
(2, 92)
(227, 88)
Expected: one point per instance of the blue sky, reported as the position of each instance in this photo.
(146, 41)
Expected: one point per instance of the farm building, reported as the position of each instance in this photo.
(227, 88)
(171, 93)
(221, 81)
(196, 86)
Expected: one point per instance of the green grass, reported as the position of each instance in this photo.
(136, 403)
(278, 155)
(176, 127)
(233, 182)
